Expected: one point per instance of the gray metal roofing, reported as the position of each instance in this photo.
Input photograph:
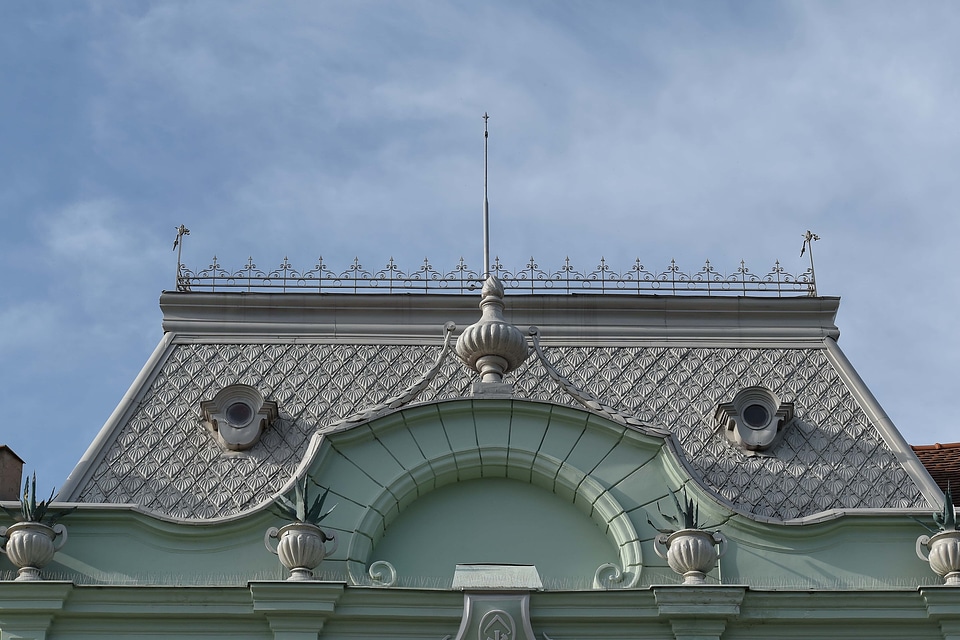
(837, 455)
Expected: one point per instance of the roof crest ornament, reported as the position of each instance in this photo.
(808, 239)
(531, 279)
(486, 201)
(492, 346)
(588, 400)
(178, 243)
(403, 398)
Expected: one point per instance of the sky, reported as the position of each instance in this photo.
(618, 130)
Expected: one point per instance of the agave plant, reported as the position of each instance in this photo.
(945, 520)
(688, 514)
(33, 511)
(300, 508)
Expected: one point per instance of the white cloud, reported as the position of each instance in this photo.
(25, 327)
(620, 130)
(96, 244)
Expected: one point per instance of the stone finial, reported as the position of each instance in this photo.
(492, 347)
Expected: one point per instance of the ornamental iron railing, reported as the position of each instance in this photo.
(531, 279)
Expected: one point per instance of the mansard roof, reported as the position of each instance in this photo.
(658, 364)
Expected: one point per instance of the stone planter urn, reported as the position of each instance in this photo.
(31, 545)
(943, 554)
(301, 547)
(691, 552)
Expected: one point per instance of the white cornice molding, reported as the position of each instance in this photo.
(884, 425)
(562, 319)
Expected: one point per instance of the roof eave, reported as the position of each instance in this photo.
(586, 319)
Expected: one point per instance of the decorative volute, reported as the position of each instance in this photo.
(492, 347)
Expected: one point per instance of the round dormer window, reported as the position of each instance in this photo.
(756, 416)
(239, 414)
(754, 419)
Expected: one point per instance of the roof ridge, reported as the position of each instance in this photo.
(935, 446)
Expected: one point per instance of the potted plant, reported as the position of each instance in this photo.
(301, 544)
(31, 542)
(943, 547)
(690, 550)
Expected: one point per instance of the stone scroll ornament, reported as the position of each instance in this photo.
(586, 399)
(406, 396)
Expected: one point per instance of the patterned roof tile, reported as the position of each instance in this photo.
(831, 457)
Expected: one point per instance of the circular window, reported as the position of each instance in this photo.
(756, 416)
(239, 414)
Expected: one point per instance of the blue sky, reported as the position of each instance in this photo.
(658, 130)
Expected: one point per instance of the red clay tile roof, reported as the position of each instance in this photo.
(943, 463)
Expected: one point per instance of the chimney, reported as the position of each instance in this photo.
(11, 472)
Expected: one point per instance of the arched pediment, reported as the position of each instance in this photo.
(555, 473)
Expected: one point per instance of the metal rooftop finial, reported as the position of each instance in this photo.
(181, 231)
(808, 239)
(486, 203)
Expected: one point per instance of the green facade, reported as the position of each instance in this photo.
(507, 486)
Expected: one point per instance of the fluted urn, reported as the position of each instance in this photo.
(492, 347)
(31, 545)
(943, 554)
(301, 547)
(691, 552)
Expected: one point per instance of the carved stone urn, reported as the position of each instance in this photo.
(301, 547)
(31, 545)
(691, 552)
(943, 554)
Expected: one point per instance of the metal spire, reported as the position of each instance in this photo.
(181, 231)
(486, 203)
(808, 239)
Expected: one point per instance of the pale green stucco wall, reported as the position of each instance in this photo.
(557, 473)
(422, 488)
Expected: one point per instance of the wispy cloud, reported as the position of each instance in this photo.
(652, 130)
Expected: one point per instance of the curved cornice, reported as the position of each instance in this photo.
(423, 449)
